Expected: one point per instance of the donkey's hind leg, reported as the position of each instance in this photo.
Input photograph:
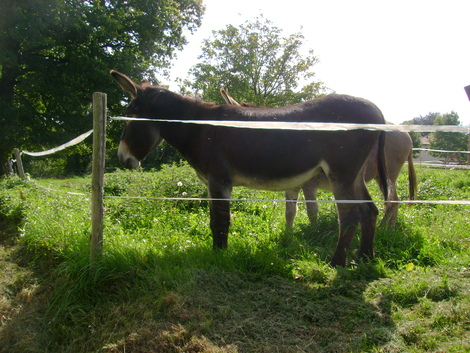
(389, 219)
(369, 214)
(310, 190)
(291, 207)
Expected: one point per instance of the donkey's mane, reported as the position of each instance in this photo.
(154, 93)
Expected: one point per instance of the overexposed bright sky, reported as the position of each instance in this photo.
(410, 57)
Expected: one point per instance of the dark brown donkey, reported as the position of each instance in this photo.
(398, 150)
(264, 159)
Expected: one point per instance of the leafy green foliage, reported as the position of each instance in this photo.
(440, 140)
(428, 119)
(11, 217)
(258, 64)
(55, 54)
(450, 141)
(416, 140)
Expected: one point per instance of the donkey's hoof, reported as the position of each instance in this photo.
(338, 262)
(366, 256)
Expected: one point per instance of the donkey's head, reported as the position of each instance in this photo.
(139, 137)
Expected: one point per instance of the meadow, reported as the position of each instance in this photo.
(160, 287)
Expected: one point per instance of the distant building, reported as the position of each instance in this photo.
(424, 157)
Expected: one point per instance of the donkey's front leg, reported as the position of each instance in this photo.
(219, 192)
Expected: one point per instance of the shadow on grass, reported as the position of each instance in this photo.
(22, 299)
(393, 247)
(239, 300)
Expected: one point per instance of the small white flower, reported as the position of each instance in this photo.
(184, 193)
(179, 183)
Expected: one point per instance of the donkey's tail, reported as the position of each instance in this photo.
(412, 179)
(382, 166)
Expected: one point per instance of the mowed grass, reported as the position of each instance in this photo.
(159, 286)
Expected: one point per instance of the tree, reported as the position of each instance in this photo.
(55, 53)
(428, 119)
(416, 136)
(449, 141)
(416, 140)
(257, 64)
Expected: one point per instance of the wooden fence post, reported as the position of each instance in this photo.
(97, 178)
(19, 163)
(467, 90)
(9, 167)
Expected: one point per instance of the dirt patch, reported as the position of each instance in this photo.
(21, 302)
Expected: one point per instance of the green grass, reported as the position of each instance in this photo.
(159, 286)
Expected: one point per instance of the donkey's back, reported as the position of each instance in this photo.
(333, 108)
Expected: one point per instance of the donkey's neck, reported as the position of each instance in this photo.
(189, 138)
(177, 107)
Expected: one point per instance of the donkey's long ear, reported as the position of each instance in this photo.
(125, 83)
(228, 98)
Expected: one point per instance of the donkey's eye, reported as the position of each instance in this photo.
(132, 108)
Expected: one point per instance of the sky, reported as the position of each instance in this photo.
(409, 57)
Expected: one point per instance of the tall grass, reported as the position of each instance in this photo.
(159, 286)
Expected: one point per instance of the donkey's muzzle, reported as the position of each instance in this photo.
(127, 160)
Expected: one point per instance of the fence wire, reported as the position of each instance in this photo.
(156, 198)
(278, 126)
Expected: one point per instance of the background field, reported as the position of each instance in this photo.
(160, 287)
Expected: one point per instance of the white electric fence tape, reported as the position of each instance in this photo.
(73, 142)
(436, 202)
(281, 125)
(444, 151)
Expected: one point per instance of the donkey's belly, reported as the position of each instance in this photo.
(275, 184)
